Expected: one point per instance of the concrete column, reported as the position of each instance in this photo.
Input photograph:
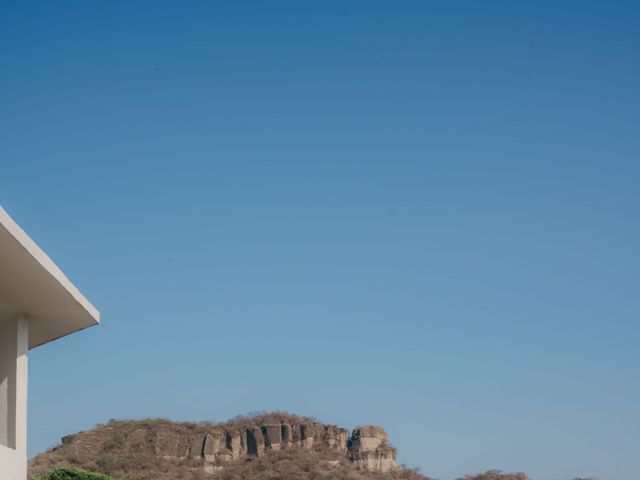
(8, 368)
(22, 383)
(14, 346)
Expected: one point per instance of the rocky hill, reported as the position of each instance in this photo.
(273, 445)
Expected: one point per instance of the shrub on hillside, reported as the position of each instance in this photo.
(71, 474)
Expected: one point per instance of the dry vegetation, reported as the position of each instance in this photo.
(301, 464)
(263, 418)
(295, 464)
(498, 475)
(105, 450)
(495, 475)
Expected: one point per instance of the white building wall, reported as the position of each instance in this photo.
(12, 464)
(14, 342)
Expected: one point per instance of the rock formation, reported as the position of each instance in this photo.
(208, 447)
(369, 449)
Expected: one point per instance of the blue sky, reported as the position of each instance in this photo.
(418, 214)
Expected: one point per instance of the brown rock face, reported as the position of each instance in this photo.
(196, 446)
(287, 435)
(255, 441)
(296, 430)
(237, 443)
(369, 449)
(214, 445)
(343, 437)
(307, 434)
(210, 447)
(272, 436)
(336, 438)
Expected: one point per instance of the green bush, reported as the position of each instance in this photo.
(72, 474)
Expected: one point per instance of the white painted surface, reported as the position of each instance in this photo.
(14, 343)
(37, 305)
(13, 464)
(30, 283)
(22, 384)
(8, 371)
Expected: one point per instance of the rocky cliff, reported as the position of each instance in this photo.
(207, 449)
(370, 450)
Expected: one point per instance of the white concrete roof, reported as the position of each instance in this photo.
(31, 284)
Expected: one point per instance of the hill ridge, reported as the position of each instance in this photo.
(162, 449)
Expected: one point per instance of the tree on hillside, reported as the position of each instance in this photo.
(72, 474)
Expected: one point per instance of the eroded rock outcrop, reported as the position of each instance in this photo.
(208, 447)
(369, 449)
(272, 434)
(237, 443)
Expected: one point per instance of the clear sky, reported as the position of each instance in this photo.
(419, 214)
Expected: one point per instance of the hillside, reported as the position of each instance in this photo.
(267, 446)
